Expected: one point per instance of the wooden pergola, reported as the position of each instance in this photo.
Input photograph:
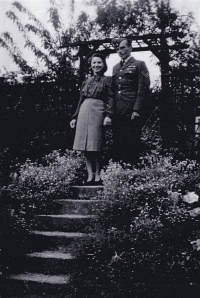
(156, 43)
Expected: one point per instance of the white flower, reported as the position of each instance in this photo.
(115, 258)
(195, 212)
(196, 244)
(190, 197)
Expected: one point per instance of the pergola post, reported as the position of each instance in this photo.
(166, 101)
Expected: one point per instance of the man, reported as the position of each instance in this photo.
(131, 84)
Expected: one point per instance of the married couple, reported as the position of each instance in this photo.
(118, 100)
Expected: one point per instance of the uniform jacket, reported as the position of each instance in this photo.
(131, 85)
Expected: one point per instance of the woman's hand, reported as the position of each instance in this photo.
(107, 121)
(134, 115)
(73, 123)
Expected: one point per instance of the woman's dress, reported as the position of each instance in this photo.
(96, 102)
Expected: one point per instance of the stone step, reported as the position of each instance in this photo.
(87, 192)
(41, 278)
(49, 262)
(66, 235)
(65, 222)
(39, 284)
(79, 206)
(51, 240)
(47, 267)
(50, 254)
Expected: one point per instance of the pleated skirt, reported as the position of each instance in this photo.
(89, 126)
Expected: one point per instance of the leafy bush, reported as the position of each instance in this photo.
(41, 183)
(146, 233)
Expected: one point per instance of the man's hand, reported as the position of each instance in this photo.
(134, 115)
(73, 123)
(107, 121)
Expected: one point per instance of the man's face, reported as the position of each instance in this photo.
(124, 51)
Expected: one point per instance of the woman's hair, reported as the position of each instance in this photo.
(103, 58)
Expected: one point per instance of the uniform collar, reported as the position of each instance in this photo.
(125, 60)
(117, 67)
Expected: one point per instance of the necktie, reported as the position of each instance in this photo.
(122, 63)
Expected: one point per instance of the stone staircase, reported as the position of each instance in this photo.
(46, 271)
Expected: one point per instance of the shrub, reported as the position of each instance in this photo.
(145, 234)
(41, 183)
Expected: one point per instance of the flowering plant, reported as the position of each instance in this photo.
(39, 183)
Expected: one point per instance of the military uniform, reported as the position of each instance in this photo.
(131, 84)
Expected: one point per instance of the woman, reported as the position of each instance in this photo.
(95, 109)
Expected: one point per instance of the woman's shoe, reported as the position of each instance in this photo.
(88, 183)
(98, 183)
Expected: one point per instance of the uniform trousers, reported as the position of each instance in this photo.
(127, 139)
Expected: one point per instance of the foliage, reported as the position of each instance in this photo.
(134, 17)
(35, 118)
(40, 184)
(35, 115)
(49, 58)
(145, 232)
(152, 175)
(119, 18)
(17, 221)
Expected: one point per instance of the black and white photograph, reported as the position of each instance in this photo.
(100, 148)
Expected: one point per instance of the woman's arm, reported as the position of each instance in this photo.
(75, 115)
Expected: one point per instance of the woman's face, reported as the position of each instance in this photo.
(97, 65)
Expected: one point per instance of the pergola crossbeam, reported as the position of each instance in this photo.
(145, 48)
(98, 42)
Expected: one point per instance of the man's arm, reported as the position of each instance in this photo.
(143, 89)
